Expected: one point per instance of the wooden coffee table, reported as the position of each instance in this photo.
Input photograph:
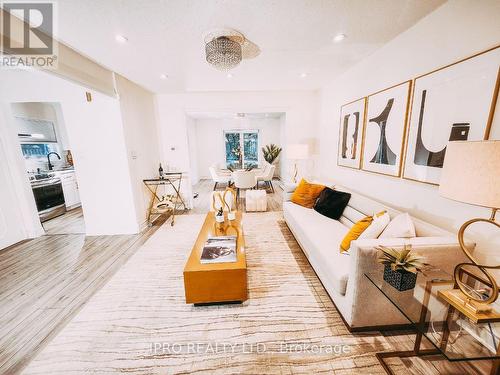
(217, 282)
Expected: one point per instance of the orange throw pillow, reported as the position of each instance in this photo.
(306, 194)
(356, 231)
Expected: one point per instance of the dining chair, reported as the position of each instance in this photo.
(218, 178)
(244, 180)
(267, 176)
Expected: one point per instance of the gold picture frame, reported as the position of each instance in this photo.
(410, 142)
(388, 165)
(342, 140)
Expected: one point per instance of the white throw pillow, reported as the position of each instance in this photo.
(400, 227)
(376, 227)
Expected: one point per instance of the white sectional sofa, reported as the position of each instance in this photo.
(361, 305)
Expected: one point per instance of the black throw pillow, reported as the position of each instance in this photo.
(331, 203)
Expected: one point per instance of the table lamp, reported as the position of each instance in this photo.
(297, 152)
(471, 174)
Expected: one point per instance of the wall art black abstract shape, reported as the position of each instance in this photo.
(459, 132)
(354, 136)
(344, 136)
(384, 154)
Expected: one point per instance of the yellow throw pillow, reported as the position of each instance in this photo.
(306, 194)
(356, 231)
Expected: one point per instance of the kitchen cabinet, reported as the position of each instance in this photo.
(33, 130)
(70, 188)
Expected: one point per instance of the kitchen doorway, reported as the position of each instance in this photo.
(49, 165)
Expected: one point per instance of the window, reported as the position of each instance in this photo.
(242, 148)
(38, 150)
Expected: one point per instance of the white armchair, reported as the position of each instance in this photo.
(218, 178)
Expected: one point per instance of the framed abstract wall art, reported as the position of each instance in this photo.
(350, 133)
(454, 103)
(385, 130)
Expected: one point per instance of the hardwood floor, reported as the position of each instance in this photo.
(72, 222)
(45, 282)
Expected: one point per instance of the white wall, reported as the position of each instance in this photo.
(301, 108)
(96, 136)
(456, 30)
(141, 139)
(11, 217)
(211, 144)
(194, 170)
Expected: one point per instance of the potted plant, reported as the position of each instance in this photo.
(271, 152)
(400, 266)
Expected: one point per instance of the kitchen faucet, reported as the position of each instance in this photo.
(48, 159)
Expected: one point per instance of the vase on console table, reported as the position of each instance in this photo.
(219, 215)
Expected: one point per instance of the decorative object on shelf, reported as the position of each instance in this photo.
(69, 157)
(160, 172)
(454, 103)
(225, 48)
(219, 215)
(400, 267)
(386, 113)
(271, 153)
(470, 175)
(352, 117)
(297, 152)
(231, 204)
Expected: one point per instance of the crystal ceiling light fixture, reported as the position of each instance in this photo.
(121, 38)
(339, 37)
(225, 48)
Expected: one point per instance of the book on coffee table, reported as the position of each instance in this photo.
(219, 250)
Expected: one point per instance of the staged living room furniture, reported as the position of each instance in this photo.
(267, 176)
(356, 298)
(244, 180)
(255, 200)
(477, 164)
(219, 176)
(435, 322)
(217, 282)
(168, 202)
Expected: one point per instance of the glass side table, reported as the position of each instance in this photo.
(450, 333)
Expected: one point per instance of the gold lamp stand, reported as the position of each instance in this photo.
(470, 175)
(467, 298)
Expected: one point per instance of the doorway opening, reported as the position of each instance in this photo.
(48, 162)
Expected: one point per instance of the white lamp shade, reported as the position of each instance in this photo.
(297, 151)
(471, 173)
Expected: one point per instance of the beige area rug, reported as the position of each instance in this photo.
(139, 323)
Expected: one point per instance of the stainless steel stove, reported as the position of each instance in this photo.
(49, 196)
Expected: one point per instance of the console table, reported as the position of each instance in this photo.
(436, 321)
(170, 180)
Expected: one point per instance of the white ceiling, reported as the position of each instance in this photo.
(230, 115)
(295, 37)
